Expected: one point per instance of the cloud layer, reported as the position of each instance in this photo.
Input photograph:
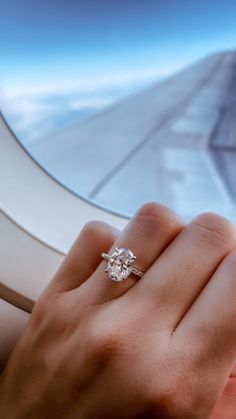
(35, 109)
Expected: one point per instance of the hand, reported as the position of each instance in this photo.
(160, 347)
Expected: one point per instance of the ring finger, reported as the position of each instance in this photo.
(147, 235)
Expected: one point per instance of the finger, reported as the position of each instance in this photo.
(147, 235)
(84, 256)
(210, 324)
(178, 276)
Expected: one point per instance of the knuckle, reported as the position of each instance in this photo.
(151, 209)
(158, 214)
(216, 229)
(40, 310)
(51, 316)
(105, 343)
(50, 308)
(176, 402)
(97, 230)
(93, 228)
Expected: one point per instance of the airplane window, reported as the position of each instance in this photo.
(126, 101)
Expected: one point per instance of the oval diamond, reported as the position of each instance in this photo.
(120, 264)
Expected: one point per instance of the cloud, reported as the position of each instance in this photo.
(34, 109)
(32, 117)
(91, 103)
(83, 84)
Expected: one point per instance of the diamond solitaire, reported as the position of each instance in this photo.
(120, 264)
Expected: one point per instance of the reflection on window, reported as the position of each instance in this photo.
(127, 103)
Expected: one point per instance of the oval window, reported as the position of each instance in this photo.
(126, 102)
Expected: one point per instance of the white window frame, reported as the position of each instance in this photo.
(39, 220)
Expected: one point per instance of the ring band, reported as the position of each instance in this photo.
(120, 264)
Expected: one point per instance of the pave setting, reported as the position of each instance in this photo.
(120, 264)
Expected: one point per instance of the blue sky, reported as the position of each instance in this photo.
(94, 50)
(94, 37)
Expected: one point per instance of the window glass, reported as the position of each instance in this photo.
(126, 101)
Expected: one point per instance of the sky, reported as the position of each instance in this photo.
(78, 55)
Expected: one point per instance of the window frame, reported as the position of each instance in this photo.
(39, 217)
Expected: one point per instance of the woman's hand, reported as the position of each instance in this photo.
(160, 347)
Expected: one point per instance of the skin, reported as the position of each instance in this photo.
(163, 346)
